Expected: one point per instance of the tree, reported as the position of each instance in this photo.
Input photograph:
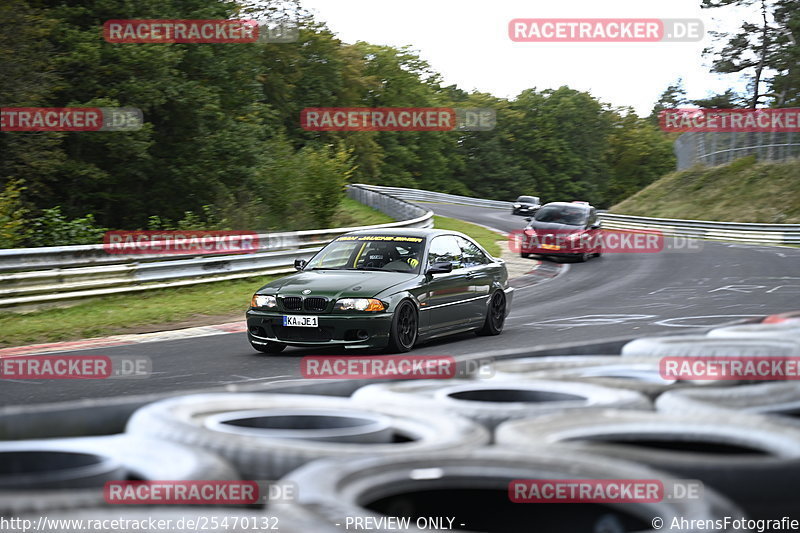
(638, 154)
(673, 97)
(759, 49)
(727, 100)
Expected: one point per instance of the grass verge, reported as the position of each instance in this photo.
(141, 312)
(353, 213)
(742, 191)
(485, 237)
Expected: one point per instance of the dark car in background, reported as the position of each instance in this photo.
(525, 205)
(381, 289)
(563, 229)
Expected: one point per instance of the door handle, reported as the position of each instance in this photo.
(471, 275)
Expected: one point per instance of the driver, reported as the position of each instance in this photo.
(380, 256)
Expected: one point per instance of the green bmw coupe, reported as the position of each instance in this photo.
(383, 289)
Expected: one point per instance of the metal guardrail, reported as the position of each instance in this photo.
(743, 232)
(419, 195)
(749, 233)
(32, 278)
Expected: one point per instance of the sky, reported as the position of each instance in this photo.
(466, 41)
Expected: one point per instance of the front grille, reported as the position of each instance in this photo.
(303, 334)
(292, 303)
(315, 304)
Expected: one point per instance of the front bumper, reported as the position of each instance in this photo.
(339, 329)
(509, 298)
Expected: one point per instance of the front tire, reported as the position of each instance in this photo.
(270, 347)
(495, 315)
(405, 328)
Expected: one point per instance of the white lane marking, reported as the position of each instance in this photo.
(590, 320)
(673, 322)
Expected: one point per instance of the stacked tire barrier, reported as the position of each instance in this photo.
(441, 452)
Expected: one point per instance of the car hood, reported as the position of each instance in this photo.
(552, 226)
(336, 283)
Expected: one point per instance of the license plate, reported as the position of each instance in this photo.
(551, 247)
(301, 321)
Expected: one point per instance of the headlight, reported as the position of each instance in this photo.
(262, 300)
(359, 304)
(517, 205)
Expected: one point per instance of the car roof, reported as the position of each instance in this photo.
(409, 232)
(568, 204)
(426, 233)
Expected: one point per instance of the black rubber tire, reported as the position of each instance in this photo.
(643, 376)
(583, 257)
(782, 330)
(404, 330)
(495, 315)
(185, 420)
(473, 489)
(748, 458)
(703, 346)
(70, 486)
(270, 347)
(524, 255)
(779, 401)
(491, 402)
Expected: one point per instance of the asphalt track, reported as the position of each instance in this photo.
(613, 296)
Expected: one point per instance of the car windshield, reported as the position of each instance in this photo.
(390, 253)
(570, 216)
(528, 199)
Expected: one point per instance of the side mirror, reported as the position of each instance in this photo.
(299, 264)
(440, 268)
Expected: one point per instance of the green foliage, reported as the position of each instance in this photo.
(322, 179)
(674, 96)
(222, 146)
(54, 229)
(638, 154)
(12, 216)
